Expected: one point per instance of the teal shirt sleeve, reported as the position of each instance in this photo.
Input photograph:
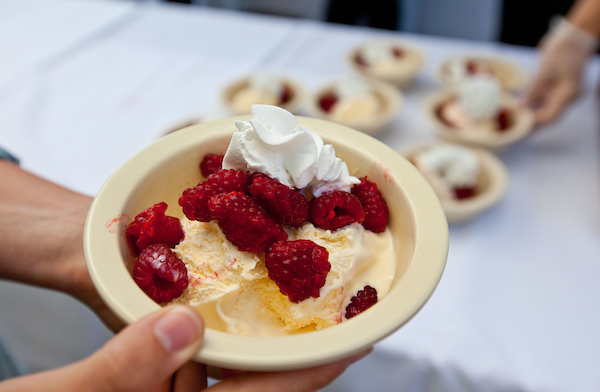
(5, 155)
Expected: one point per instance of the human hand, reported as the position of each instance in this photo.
(564, 52)
(152, 355)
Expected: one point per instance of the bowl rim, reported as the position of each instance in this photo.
(458, 211)
(418, 282)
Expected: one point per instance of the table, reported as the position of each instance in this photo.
(86, 84)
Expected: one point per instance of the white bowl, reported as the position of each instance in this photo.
(491, 187)
(523, 122)
(408, 67)
(164, 169)
(389, 97)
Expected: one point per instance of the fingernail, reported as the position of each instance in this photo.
(178, 328)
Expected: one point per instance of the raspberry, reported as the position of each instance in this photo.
(503, 120)
(211, 163)
(244, 222)
(195, 199)
(160, 273)
(299, 268)
(463, 193)
(376, 210)
(286, 94)
(151, 226)
(327, 101)
(397, 52)
(285, 204)
(360, 60)
(362, 301)
(336, 209)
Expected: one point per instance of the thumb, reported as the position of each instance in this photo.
(146, 353)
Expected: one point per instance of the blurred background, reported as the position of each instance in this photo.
(521, 22)
(137, 67)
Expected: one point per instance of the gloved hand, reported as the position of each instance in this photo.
(564, 52)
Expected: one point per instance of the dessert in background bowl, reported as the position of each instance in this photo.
(262, 88)
(479, 113)
(467, 180)
(453, 71)
(367, 105)
(158, 175)
(392, 61)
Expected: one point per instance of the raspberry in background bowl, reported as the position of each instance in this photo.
(164, 169)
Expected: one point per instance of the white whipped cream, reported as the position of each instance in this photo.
(456, 165)
(266, 82)
(480, 96)
(378, 52)
(273, 143)
(352, 87)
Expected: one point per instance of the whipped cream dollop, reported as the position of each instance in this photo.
(480, 96)
(356, 100)
(458, 166)
(266, 82)
(273, 143)
(378, 52)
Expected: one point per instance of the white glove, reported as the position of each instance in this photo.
(564, 52)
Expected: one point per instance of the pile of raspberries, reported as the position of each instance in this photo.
(251, 209)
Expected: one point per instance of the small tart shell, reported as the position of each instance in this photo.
(491, 187)
(293, 105)
(522, 119)
(388, 95)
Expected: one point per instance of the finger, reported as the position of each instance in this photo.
(190, 378)
(555, 102)
(303, 380)
(146, 353)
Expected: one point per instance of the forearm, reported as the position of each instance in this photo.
(585, 15)
(41, 230)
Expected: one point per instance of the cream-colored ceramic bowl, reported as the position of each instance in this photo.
(406, 69)
(164, 169)
(293, 105)
(523, 121)
(492, 184)
(512, 76)
(390, 100)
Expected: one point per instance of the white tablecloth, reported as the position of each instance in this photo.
(86, 84)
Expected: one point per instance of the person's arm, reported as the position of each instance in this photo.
(564, 53)
(41, 237)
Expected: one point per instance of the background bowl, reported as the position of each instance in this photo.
(164, 169)
(491, 187)
(389, 96)
(293, 105)
(523, 123)
(412, 64)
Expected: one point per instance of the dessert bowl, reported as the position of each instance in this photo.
(511, 75)
(387, 96)
(161, 171)
(521, 124)
(492, 183)
(291, 100)
(406, 62)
